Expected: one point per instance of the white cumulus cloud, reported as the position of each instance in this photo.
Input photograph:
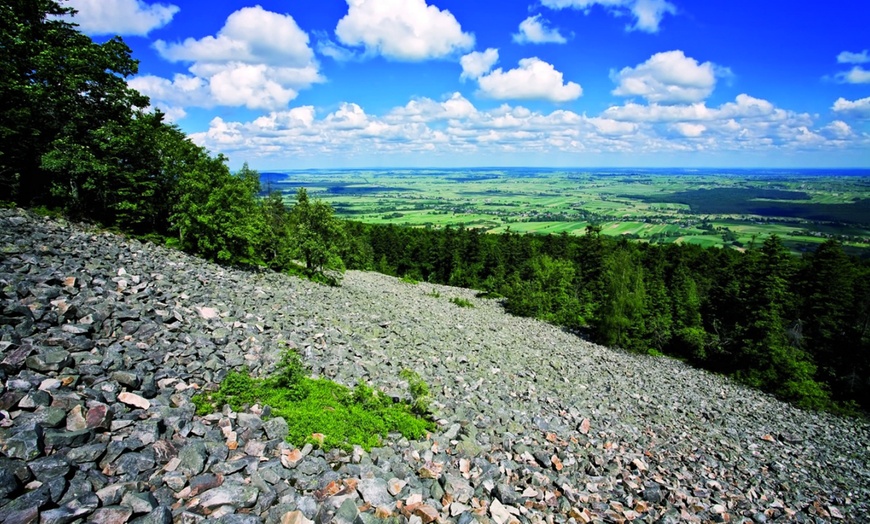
(647, 14)
(689, 130)
(534, 30)
(407, 30)
(258, 59)
(453, 129)
(533, 79)
(250, 35)
(856, 75)
(838, 129)
(121, 17)
(668, 77)
(860, 108)
(848, 57)
(476, 64)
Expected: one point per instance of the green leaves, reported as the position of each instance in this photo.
(317, 234)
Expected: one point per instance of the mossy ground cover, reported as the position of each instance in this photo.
(315, 407)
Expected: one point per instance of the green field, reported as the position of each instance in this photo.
(709, 208)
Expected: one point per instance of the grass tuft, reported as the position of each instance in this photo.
(461, 302)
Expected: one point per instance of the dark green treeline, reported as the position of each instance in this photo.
(798, 327)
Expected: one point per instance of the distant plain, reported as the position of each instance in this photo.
(713, 207)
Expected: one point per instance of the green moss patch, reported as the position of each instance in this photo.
(344, 417)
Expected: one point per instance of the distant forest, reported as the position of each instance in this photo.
(75, 139)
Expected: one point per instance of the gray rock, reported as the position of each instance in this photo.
(249, 420)
(192, 457)
(47, 468)
(111, 515)
(653, 494)
(459, 488)
(158, 515)
(229, 494)
(276, 428)
(126, 378)
(25, 445)
(49, 360)
(374, 491)
(88, 453)
(71, 511)
(55, 438)
(140, 503)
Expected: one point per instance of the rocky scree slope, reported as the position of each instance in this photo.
(105, 340)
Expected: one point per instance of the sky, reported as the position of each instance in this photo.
(297, 84)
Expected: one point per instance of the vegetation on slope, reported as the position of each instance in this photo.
(321, 412)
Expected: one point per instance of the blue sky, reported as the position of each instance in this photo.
(451, 83)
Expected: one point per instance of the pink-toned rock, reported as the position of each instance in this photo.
(290, 458)
(430, 470)
(207, 313)
(426, 513)
(99, 416)
(134, 400)
(75, 420)
(394, 486)
(295, 517)
(111, 515)
(584, 426)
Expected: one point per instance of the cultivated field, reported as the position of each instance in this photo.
(706, 207)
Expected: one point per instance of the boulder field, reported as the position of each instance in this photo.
(104, 340)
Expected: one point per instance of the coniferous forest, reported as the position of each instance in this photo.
(75, 138)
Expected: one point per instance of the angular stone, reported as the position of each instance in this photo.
(25, 445)
(88, 453)
(47, 468)
(158, 515)
(276, 428)
(15, 359)
(46, 361)
(111, 515)
(99, 417)
(202, 483)
(499, 512)
(192, 459)
(375, 491)
(55, 438)
(134, 400)
(8, 481)
(71, 511)
(426, 513)
(75, 420)
(35, 399)
(249, 420)
(134, 463)
(236, 495)
(457, 487)
(653, 494)
(49, 417)
(28, 515)
(140, 503)
(395, 486)
(346, 513)
(128, 379)
(295, 517)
